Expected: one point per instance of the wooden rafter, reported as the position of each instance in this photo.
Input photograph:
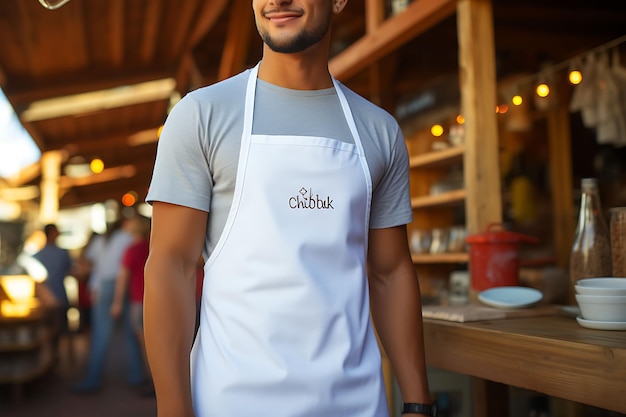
(237, 39)
(25, 93)
(393, 33)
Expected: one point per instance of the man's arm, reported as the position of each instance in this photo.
(121, 284)
(397, 311)
(170, 305)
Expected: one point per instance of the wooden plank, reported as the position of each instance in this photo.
(150, 31)
(117, 32)
(210, 12)
(443, 199)
(439, 158)
(551, 355)
(21, 95)
(237, 40)
(393, 33)
(374, 14)
(441, 258)
(478, 103)
(561, 186)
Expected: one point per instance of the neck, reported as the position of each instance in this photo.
(307, 70)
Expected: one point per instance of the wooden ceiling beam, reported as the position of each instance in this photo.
(108, 174)
(150, 31)
(188, 76)
(237, 39)
(187, 16)
(89, 146)
(26, 92)
(393, 33)
(99, 192)
(117, 32)
(209, 14)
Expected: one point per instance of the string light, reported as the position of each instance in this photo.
(460, 119)
(543, 90)
(575, 76)
(436, 130)
(129, 199)
(96, 165)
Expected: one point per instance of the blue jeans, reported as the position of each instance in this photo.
(101, 329)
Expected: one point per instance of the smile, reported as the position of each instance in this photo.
(281, 16)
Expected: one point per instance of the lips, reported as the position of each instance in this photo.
(281, 15)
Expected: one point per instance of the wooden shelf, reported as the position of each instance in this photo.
(441, 258)
(439, 158)
(444, 199)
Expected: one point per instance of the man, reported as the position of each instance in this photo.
(289, 185)
(105, 254)
(58, 263)
(130, 283)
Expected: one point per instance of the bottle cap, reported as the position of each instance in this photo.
(589, 183)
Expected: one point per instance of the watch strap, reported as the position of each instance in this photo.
(416, 408)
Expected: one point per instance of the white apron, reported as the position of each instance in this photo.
(285, 329)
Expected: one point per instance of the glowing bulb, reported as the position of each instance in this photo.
(543, 90)
(129, 199)
(436, 130)
(575, 77)
(503, 108)
(96, 165)
(460, 119)
(517, 100)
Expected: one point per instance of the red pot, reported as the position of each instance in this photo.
(494, 257)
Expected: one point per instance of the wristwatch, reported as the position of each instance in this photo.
(415, 408)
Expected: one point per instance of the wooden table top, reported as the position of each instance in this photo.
(553, 355)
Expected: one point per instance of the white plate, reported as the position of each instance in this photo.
(510, 297)
(601, 325)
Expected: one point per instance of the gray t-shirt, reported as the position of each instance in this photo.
(198, 151)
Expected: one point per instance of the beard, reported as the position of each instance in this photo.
(297, 43)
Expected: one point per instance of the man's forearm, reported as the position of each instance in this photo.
(396, 310)
(169, 318)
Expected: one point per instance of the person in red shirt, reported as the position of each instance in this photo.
(130, 280)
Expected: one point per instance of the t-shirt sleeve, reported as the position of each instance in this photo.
(181, 172)
(391, 199)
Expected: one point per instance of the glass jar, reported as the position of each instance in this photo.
(591, 250)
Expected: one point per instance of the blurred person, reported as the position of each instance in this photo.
(81, 271)
(58, 263)
(105, 254)
(130, 283)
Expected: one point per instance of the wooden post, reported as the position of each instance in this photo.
(478, 103)
(561, 184)
(50, 175)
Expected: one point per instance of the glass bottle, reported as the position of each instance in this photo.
(591, 250)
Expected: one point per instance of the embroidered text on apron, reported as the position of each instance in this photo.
(285, 328)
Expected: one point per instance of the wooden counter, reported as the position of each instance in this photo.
(552, 355)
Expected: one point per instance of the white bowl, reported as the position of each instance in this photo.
(606, 308)
(601, 286)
